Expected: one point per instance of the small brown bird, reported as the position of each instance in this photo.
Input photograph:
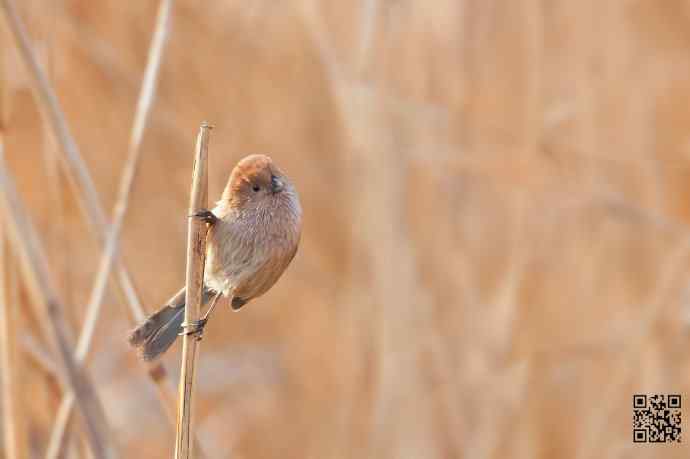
(254, 234)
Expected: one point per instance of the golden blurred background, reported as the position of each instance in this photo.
(496, 250)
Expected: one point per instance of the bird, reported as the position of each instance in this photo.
(254, 233)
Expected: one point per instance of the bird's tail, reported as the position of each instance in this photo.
(157, 333)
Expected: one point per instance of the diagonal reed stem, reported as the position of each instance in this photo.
(75, 168)
(10, 362)
(77, 173)
(13, 420)
(145, 102)
(41, 358)
(34, 266)
(83, 187)
(196, 256)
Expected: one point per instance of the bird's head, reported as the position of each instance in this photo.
(256, 182)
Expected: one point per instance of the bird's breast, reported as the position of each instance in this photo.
(249, 250)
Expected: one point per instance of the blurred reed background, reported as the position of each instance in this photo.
(496, 251)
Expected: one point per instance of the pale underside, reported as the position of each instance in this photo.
(244, 259)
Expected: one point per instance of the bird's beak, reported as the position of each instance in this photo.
(277, 185)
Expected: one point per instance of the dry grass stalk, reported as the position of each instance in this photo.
(11, 363)
(196, 256)
(35, 271)
(14, 431)
(369, 13)
(93, 310)
(41, 358)
(5, 96)
(80, 180)
(75, 168)
(51, 106)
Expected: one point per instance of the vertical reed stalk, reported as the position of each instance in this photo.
(196, 256)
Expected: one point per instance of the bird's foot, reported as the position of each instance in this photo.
(205, 215)
(195, 329)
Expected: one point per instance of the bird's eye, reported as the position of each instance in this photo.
(256, 188)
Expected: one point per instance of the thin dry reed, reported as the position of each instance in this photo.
(41, 358)
(495, 250)
(13, 411)
(11, 397)
(74, 166)
(196, 256)
(37, 275)
(82, 183)
(93, 310)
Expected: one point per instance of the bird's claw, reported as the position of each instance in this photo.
(195, 329)
(205, 215)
